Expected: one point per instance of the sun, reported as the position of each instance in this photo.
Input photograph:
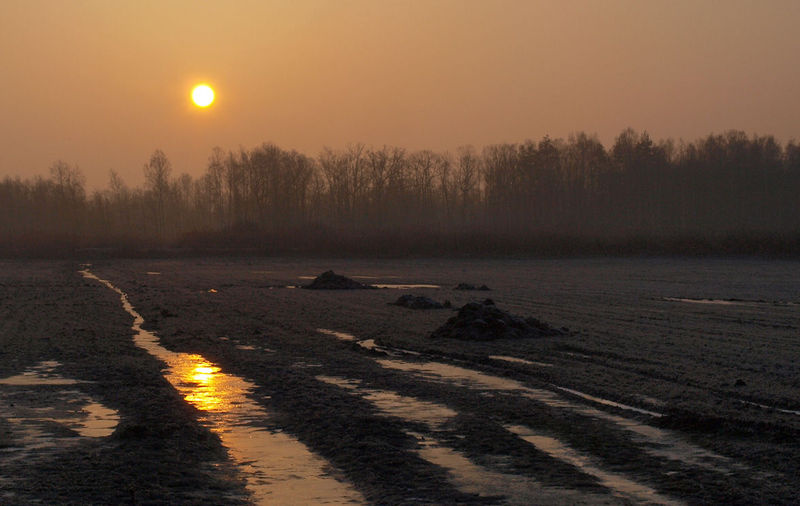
(202, 95)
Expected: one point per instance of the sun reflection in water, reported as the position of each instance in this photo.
(203, 383)
(279, 469)
(204, 373)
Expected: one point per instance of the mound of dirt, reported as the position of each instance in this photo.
(419, 302)
(468, 286)
(329, 280)
(483, 321)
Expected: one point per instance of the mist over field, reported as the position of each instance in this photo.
(725, 193)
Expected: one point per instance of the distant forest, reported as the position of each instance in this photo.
(728, 193)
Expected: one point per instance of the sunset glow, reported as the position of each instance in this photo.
(399, 251)
(420, 75)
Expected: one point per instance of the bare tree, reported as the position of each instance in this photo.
(468, 180)
(213, 187)
(156, 174)
(70, 194)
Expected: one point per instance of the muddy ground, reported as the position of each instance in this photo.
(702, 358)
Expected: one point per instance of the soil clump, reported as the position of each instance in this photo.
(419, 302)
(329, 280)
(483, 321)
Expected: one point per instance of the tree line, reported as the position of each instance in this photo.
(725, 192)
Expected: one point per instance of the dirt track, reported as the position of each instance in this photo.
(451, 421)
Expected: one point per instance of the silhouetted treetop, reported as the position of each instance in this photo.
(721, 185)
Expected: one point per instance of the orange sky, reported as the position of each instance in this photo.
(103, 83)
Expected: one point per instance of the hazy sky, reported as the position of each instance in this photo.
(103, 83)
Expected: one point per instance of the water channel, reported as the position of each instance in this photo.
(278, 468)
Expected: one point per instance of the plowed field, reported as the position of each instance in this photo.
(220, 382)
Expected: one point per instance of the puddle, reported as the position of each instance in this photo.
(70, 408)
(620, 485)
(650, 400)
(719, 302)
(367, 344)
(772, 408)
(278, 468)
(438, 371)
(607, 402)
(655, 441)
(404, 287)
(519, 360)
(730, 302)
(577, 355)
(306, 365)
(346, 383)
(432, 414)
(248, 347)
(99, 421)
(461, 376)
(344, 336)
(153, 273)
(474, 479)
(463, 473)
(45, 417)
(40, 374)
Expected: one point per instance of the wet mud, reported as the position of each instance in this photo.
(277, 467)
(621, 485)
(216, 387)
(86, 418)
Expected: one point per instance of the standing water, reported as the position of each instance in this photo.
(278, 468)
(39, 404)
